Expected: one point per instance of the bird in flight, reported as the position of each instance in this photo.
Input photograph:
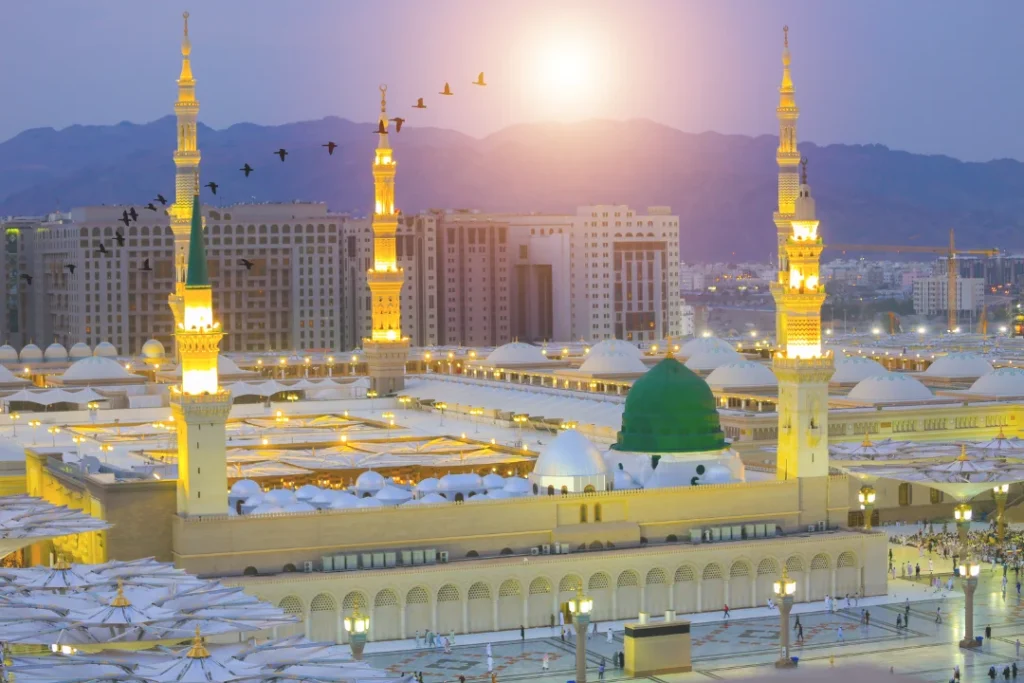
(447, 90)
(125, 219)
(282, 153)
(381, 128)
(120, 239)
(133, 213)
(103, 249)
(146, 267)
(27, 278)
(398, 123)
(213, 186)
(419, 104)
(150, 206)
(480, 79)
(247, 263)
(71, 268)
(247, 169)
(160, 198)
(330, 147)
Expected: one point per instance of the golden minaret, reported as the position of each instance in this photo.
(186, 163)
(802, 367)
(199, 405)
(788, 158)
(386, 350)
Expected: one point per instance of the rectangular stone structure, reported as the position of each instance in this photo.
(653, 649)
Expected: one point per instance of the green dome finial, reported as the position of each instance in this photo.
(670, 410)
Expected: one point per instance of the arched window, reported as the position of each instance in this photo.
(551, 490)
(597, 512)
(583, 514)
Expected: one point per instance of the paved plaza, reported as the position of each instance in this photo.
(747, 644)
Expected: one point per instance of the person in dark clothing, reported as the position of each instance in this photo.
(992, 673)
(522, 633)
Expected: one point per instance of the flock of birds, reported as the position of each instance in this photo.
(130, 214)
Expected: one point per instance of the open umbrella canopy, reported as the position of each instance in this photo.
(24, 520)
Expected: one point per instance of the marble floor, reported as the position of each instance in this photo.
(747, 644)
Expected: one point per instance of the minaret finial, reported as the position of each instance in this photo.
(803, 171)
(186, 44)
(185, 17)
(119, 600)
(198, 650)
(785, 33)
(383, 98)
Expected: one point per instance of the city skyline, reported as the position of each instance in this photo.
(870, 73)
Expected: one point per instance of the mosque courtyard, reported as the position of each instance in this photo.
(746, 645)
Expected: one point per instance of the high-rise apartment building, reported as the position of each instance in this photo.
(931, 294)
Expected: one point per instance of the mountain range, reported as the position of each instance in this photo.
(723, 187)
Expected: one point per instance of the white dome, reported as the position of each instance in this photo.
(854, 369)
(253, 499)
(55, 353)
(570, 454)
(153, 349)
(369, 503)
(615, 346)
(1001, 382)
(280, 497)
(700, 344)
(518, 485)
(393, 494)
(460, 483)
(95, 368)
(959, 365)
(266, 509)
(307, 492)
(79, 351)
(516, 353)
(624, 480)
(494, 481)
(31, 354)
(429, 499)
(370, 481)
(344, 501)
(745, 373)
(299, 506)
(890, 387)
(244, 488)
(428, 485)
(8, 354)
(710, 359)
(613, 362)
(105, 349)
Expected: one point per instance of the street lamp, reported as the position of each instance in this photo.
(14, 423)
(405, 401)
(330, 366)
(962, 513)
(969, 571)
(356, 626)
(785, 589)
(476, 412)
(371, 394)
(33, 424)
(519, 419)
(441, 407)
(77, 440)
(389, 417)
(53, 432)
(580, 607)
(1000, 492)
(866, 496)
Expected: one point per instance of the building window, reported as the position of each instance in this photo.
(905, 494)
(597, 512)
(583, 514)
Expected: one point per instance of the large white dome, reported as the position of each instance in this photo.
(370, 481)
(95, 368)
(959, 365)
(516, 353)
(570, 454)
(854, 369)
(615, 346)
(710, 359)
(695, 346)
(55, 353)
(745, 373)
(153, 349)
(613, 362)
(79, 351)
(1001, 382)
(891, 386)
(31, 354)
(105, 349)
(8, 354)
(460, 483)
(245, 488)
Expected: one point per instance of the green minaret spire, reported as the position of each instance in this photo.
(197, 270)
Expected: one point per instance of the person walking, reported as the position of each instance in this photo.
(917, 570)
(938, 615)
(800, 633)
(544, 662)
(867, 618)
(1013, 670)
(796, 626)
(522, 633)
(417, 637)
(489, 649)
(490, 664)
(1017, 647)
(839, 634)
(609, 636)
(600, 670)
(725, 611)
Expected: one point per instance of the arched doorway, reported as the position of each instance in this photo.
(481, 609)
(599, 588)
(847, 575)
(739, 585)
(292, 605)
(820, 576)
(539, 602)
(627, 595)
(323, 619)
(712, 587)
(768, 573)
(510, 605)
(449, 609)
(387, 620)
(656, 591)
(685, 589)
(417, 611)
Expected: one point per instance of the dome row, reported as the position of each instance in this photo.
(55, 353)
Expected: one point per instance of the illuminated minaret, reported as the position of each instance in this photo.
(199, 405)
(802, 367)
(386, 350)
(186, 163)
(788, 158)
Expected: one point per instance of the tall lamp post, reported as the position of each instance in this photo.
(962, 513)
(969, 570)
(784, 589)
(580, 607)
(1000, 493)
(866, 496)
(441, 407)
(357, 626)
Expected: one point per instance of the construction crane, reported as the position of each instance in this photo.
(951, 253)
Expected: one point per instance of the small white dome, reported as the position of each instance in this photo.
(8, 354)
(343, 501)
(891, 386)
(79, 351)
(280, 497)
(244, 488)
(307, 492)
(266, 509)
(429, 499)
(1001, 382)
(95, 368)
(253, 499)
(31, 354)
(613, 362)
(393, 494)
(493, 481)
(370, 503)
(518, 485)
(105, 349)
(700, 344)
(299, 506)
(710, 359)
(516, 353)
(854, 369)
(615, 346)
(55, 353)
(427, 485)
(959, 365)
(460, 483)
(570, 454)
(370, 481)
(153, 349)
(745, 373)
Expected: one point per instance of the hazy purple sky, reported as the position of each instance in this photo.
(932, 76)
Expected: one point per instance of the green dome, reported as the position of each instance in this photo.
(670, 410)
